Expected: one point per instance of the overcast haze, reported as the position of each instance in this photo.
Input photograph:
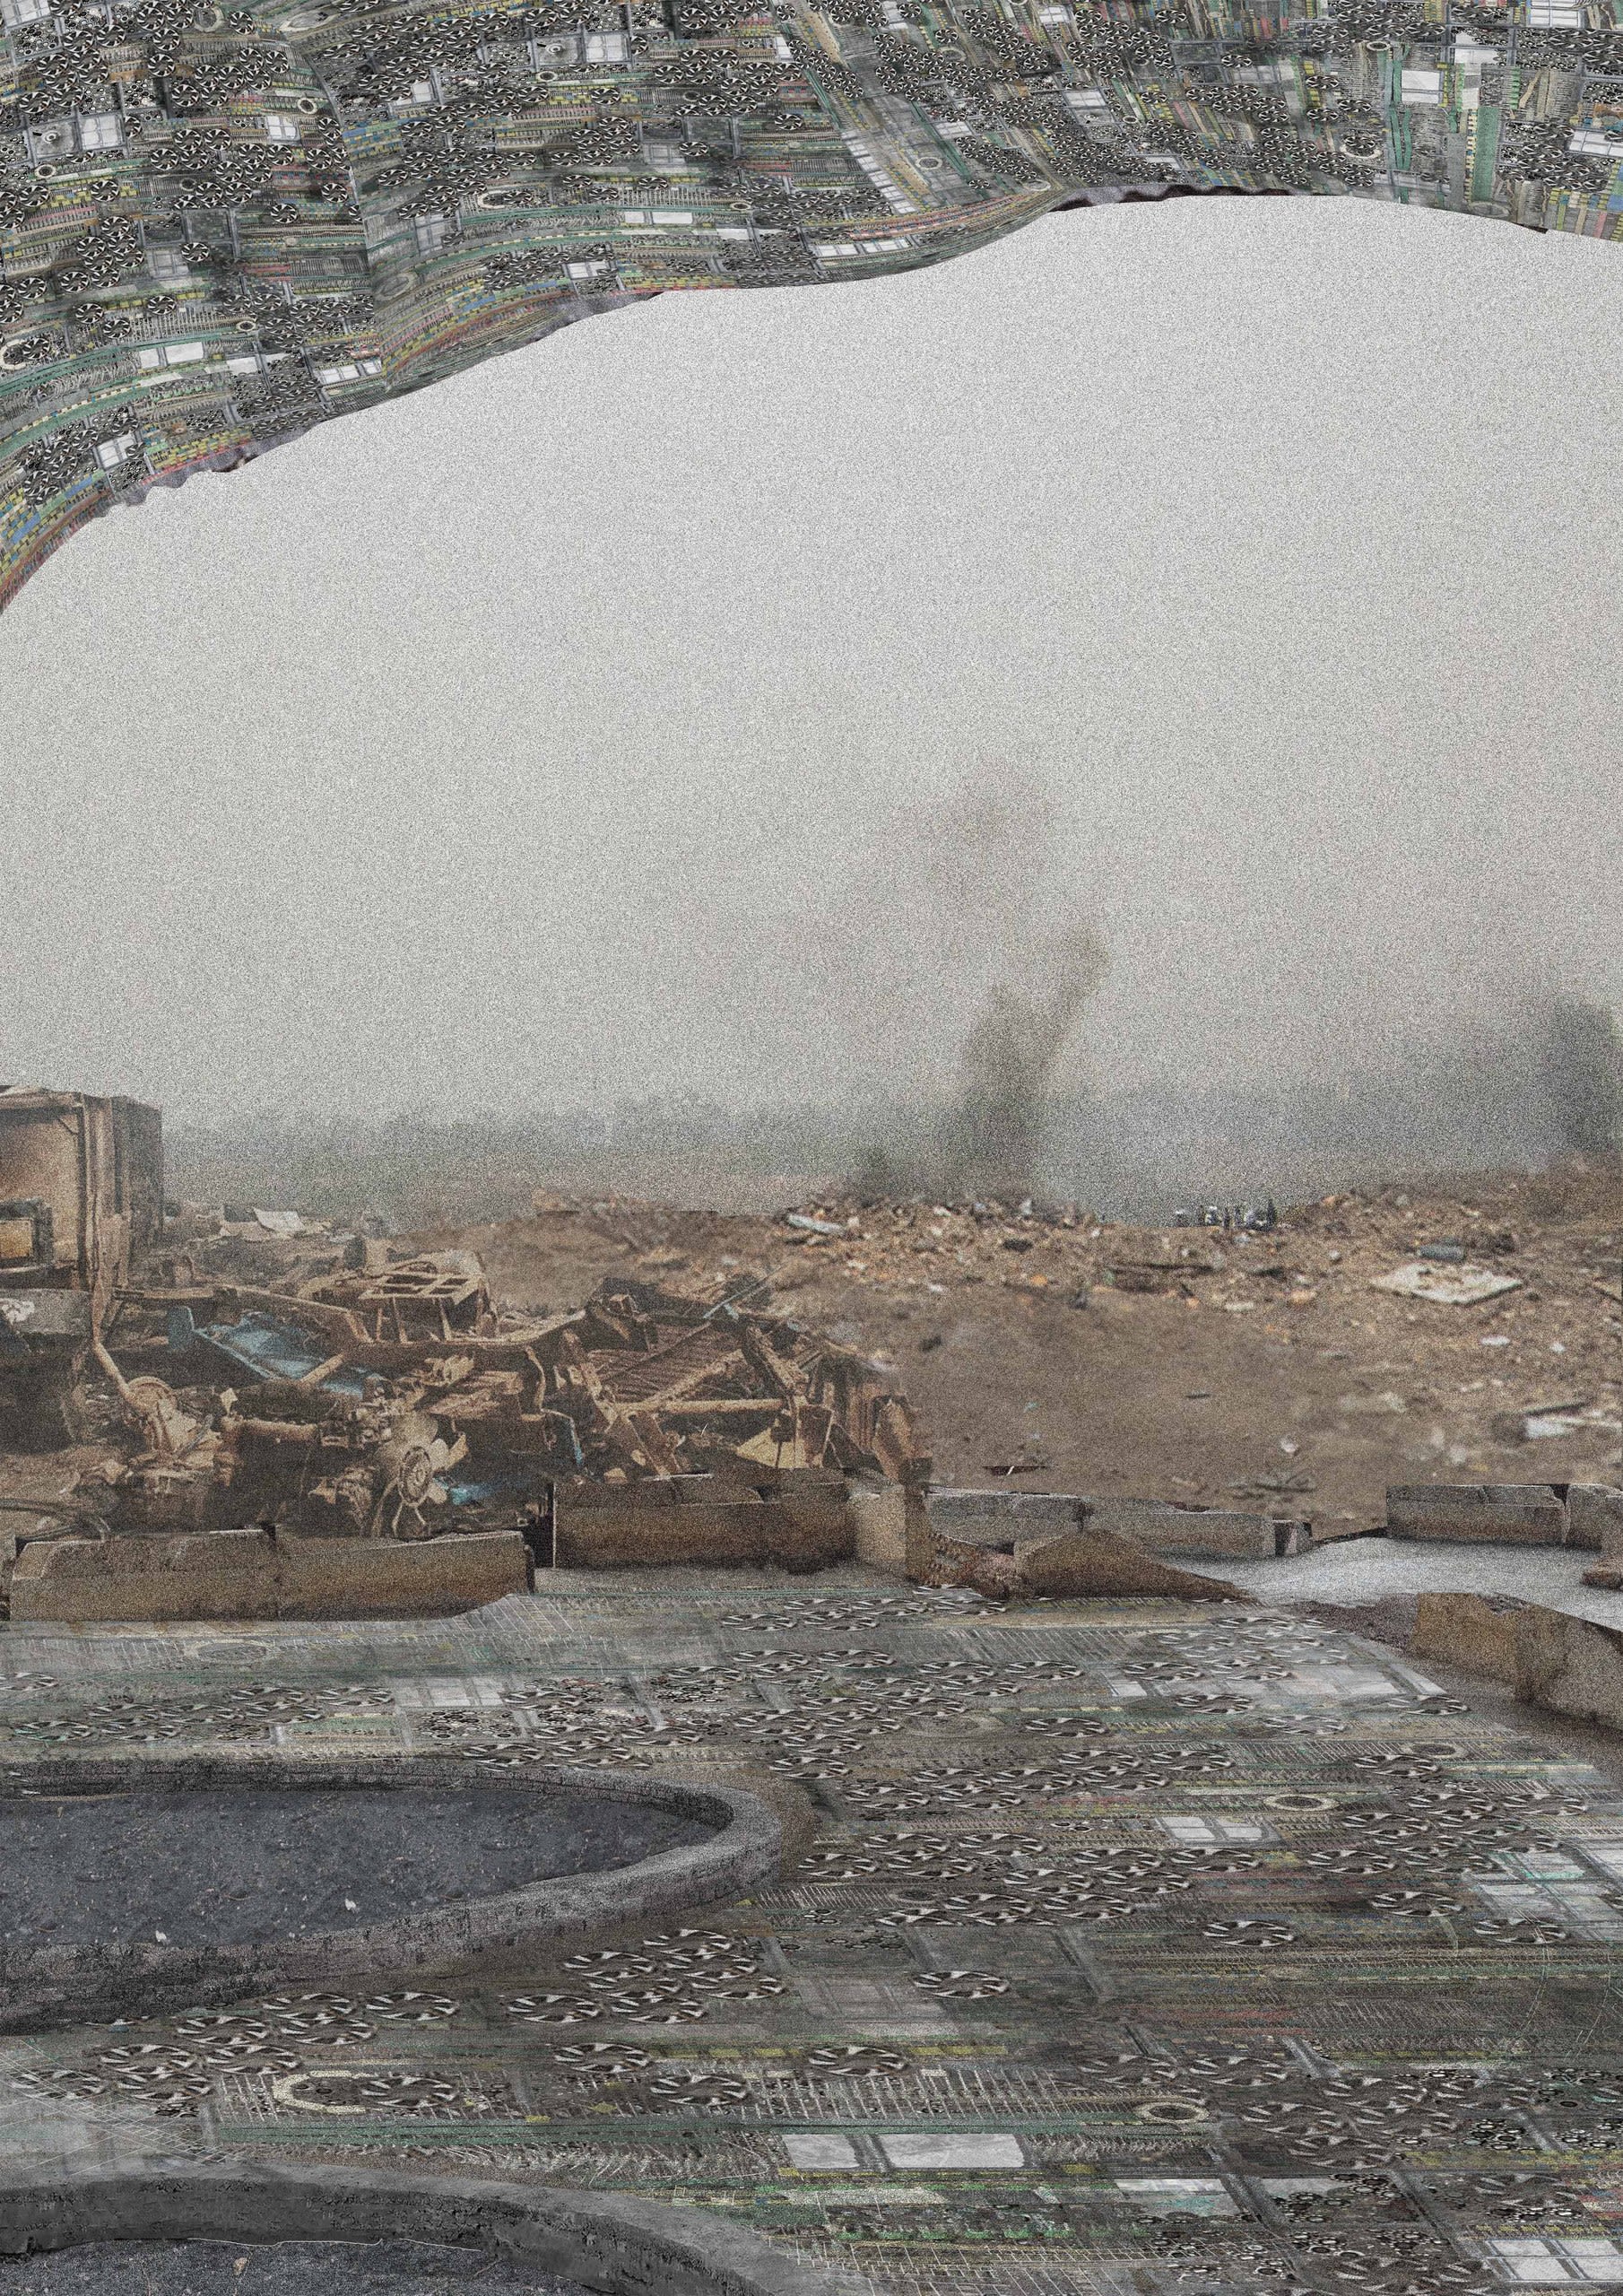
(575, 728)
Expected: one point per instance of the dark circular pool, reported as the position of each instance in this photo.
(244, 1865)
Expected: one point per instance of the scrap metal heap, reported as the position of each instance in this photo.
(242, 1415)
(352, 1393)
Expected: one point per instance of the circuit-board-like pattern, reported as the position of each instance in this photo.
(220, 225)
(1140, 1945)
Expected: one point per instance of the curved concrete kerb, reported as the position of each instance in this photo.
(58, 1984)
(631, 2247)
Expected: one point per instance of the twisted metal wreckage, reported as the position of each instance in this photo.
(221, 225)
(272, 1374)
(390, 1399)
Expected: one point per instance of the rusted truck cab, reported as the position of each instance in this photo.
(81, 1194)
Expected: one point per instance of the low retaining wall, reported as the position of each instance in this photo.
(1523, 1514)
(263, 1575)
(632, 2247)
(996, 1518)
(1572, 1666)
(1218, 1530)
(1468, 1631)
(68, 1984)
(1000, 1520)
(803, 1524)
(1584, 1514)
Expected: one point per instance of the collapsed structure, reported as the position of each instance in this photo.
(290, 1408)
(81, 1194)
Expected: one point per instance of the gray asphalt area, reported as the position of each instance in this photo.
(1366, 1570)
(281, 2268)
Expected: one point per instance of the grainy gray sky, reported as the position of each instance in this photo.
(568, 729)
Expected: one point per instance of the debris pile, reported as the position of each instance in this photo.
(1199, 1364)
(338, 1388)
(1255, 1258)
(243, 1413)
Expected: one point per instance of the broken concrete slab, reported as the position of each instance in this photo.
(1520, 1514)
(1075, 1561)
(1594, 1519)
(1089, 1562)
(1572, 1666)
(998, 1520)
(1167, 1527)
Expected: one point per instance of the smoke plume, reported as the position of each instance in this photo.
(993, 1140)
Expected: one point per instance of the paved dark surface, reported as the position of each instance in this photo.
(1177, 1949)
(284, 2268)
(239, 1865)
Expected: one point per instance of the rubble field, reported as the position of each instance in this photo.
(1198, 1364)
(242, 1864)
(377, 1433)
(273, 2268)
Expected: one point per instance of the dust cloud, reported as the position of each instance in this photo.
(949, 974)
(775, 683)
(955, 945)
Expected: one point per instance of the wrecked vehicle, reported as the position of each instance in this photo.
(330, 1408)
(289, 1408)
(81, 1197)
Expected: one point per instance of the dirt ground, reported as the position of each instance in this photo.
(1059, 1351)
(1183, 1363)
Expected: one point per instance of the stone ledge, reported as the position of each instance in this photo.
(1570, 1665)
(1521, 1514)
(83, 1983)
(804, 1524)
(1002, 1521)
(630, 2248)
(1583, 1514)
(262, 1575)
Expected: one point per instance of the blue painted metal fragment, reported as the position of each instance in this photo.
(258, 1346)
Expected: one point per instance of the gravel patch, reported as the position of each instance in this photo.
(1350, 1573)
(241, 1865)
